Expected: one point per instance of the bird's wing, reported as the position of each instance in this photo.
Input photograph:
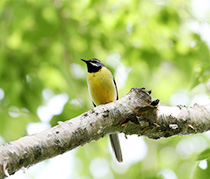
(115, 88)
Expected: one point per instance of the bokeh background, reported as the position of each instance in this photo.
(162, 45)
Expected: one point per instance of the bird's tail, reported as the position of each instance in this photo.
(114, 139)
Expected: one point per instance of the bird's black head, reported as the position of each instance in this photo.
(93, 65)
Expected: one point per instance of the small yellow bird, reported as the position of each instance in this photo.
(103, 89)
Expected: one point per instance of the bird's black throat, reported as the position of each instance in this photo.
(93, 69)
(93, 65)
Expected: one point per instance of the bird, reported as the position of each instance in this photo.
(103, 89)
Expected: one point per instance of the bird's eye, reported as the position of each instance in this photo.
(94, 64)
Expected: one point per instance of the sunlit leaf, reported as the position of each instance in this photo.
(204, 155)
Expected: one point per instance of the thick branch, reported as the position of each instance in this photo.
(133, 114)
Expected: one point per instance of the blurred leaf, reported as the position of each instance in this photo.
(204, 155)
(202, 173)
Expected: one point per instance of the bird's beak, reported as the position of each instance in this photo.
(84, 60)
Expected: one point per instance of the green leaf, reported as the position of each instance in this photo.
(204, 155)
(203, 173)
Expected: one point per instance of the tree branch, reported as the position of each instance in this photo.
(135, 113)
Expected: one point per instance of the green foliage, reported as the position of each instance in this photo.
(204, 155)
(202, 173)
(154, 42)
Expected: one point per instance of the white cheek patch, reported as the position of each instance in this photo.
(96, 65)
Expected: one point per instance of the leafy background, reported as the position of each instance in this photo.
(162, 45)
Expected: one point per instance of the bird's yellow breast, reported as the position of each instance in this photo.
(101, 86)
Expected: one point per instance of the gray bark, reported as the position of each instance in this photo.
(135, 113)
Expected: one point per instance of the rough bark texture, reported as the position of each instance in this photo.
(135, 113)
